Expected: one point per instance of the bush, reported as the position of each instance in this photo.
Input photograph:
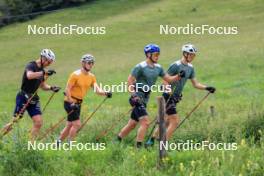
(18, 10)
(254, 126)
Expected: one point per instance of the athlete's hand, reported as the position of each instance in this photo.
(50, 72)
(108, 94)
(210, 89)
(55, 88)
(182, 74)
(166, 96)
(75, 106)
(134, 100)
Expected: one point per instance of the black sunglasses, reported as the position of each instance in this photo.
(90, 63)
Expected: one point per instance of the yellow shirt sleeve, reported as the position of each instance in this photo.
(72, 79)
(94, 80)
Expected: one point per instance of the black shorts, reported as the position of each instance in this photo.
(171, 102)
(73, 114)
(138, 112)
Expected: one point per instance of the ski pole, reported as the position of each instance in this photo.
(53, 127)
(50, 98)
(189, 114)
(7, 128)
(89, 117)
(105, 132)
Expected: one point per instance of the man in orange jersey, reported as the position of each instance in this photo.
(79, 82)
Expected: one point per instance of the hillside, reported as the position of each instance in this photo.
(232, 63)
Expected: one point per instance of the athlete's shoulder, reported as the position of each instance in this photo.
(77, 72)
(157, 65)
(31, 66)
(32, 63)
(142, 64)
(178, 62)
(91, 74)
(190, 65)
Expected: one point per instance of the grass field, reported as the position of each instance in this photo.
(232, 63)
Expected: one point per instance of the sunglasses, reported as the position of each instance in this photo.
(49, 61)
(156, 54)
(89, 63)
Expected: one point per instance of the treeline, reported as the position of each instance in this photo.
(22, 10)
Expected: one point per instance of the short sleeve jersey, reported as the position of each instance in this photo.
(175, 69)
(30, 86)
(146, 75)
(81, 83)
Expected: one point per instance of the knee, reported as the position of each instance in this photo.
(174, 121)
(68, 127)
(145, 124)
(38, 124)
(76, 126)
(132, 126)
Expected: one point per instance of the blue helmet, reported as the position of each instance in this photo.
(151, 48)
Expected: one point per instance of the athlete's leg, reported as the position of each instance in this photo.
(126, 129)
(37, 123)
(156, 131)
(73, 122)
(144, 124)
(174, 121)
(74, 129)
(65, 132)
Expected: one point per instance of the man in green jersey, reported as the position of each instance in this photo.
(172, 98)
(140, 81)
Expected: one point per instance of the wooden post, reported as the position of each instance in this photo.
(162, 131)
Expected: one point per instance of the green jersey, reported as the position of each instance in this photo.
(146, 76)
(174, 69)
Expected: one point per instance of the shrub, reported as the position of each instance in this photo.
(254, 126)
(19, 10)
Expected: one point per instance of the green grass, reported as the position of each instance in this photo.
(232, 63)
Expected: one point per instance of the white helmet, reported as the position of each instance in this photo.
(47, 53)
(87, 58)
(189, 48)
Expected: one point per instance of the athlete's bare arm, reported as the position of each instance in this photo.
(98, 90)
(45, 86)
(130, 83)
(171, 79)
(68, 92)
(34, 75)
(197, 85)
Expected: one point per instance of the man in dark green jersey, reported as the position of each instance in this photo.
(185, 67)
(140, 81)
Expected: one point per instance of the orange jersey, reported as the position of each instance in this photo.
(80, 83)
